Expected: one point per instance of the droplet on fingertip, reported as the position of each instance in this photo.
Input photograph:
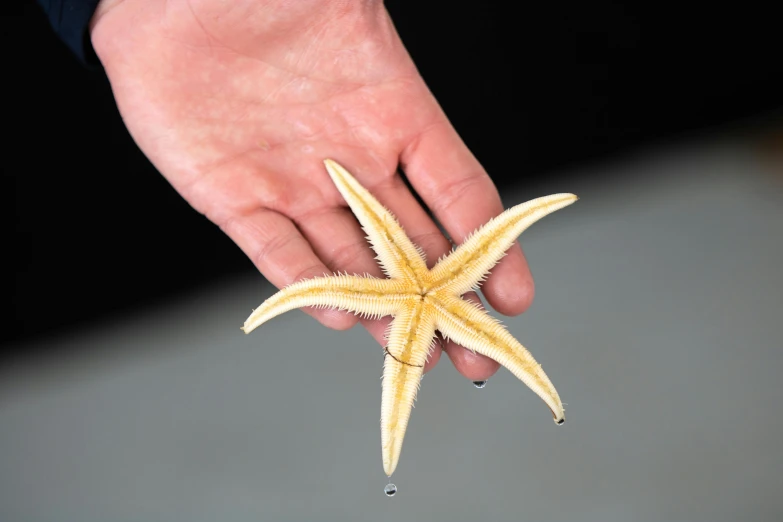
(390, 490)
(479, 384)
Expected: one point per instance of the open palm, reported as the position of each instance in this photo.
(237, 104)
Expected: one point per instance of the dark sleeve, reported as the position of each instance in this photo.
(70, 20)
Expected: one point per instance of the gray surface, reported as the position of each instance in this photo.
(658, 317)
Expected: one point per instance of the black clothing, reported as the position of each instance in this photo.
(70, 20)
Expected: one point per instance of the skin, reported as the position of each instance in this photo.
(237, 103)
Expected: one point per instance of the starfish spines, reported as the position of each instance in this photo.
(485, 247)
(367, 296)
(411, 335)
(397, 254)
(471, 327)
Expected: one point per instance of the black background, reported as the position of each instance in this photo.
(90, 229)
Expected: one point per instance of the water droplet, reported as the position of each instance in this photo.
(479, 384)
(390, 490)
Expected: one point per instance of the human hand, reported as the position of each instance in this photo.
(237, 104)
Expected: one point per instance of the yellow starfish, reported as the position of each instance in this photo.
(422, 301)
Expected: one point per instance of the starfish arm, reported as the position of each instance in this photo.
(410, 338)
(471, 327)
(368, 296)
(471, 262)
(397, 255)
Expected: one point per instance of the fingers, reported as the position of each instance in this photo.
(454, 185)
(339, 242)
(283, 255)
(329, 239)
(337, 239)
(426, 234)
(394, 195)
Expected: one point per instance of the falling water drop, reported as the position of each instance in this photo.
(479, 384)
(390, 490)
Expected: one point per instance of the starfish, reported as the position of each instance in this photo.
(422, 301)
